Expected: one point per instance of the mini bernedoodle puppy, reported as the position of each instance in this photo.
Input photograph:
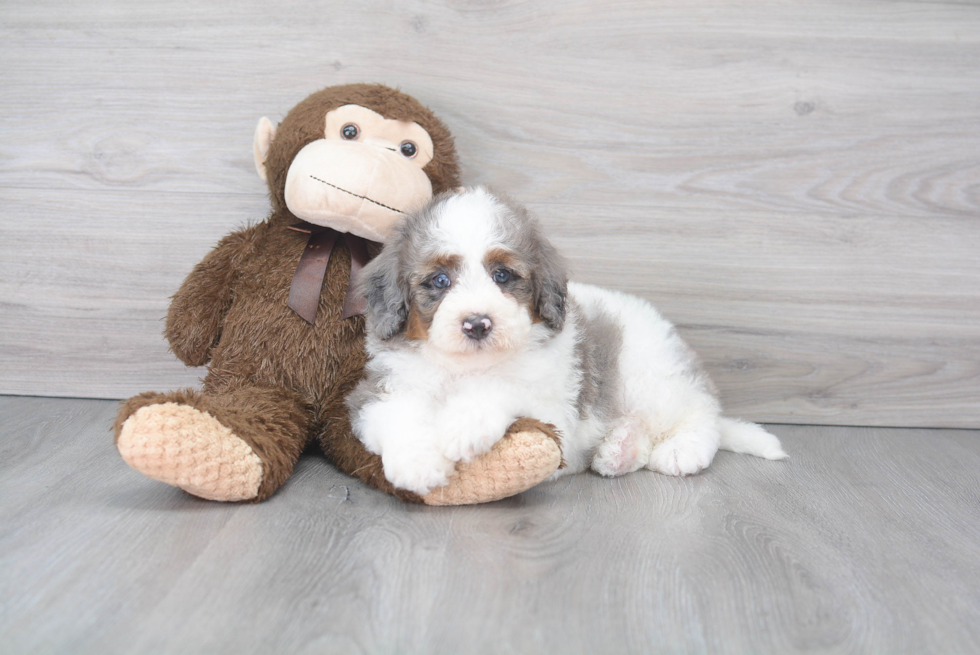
(472, 323)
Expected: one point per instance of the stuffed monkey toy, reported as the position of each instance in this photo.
(274, 313)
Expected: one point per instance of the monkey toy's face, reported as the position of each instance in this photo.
(363, 175)
(360, 172)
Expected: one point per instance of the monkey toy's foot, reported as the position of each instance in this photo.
(187, 448)
(528, 454)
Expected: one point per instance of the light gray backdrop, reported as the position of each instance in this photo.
(796, 184)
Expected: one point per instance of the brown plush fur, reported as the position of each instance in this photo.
(276, 381)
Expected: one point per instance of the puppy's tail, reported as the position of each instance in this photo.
(749, 439)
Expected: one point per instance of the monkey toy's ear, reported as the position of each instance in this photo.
(264, 132)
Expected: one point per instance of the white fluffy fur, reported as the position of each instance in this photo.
(447, 398)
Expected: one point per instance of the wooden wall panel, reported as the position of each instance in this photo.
(796, 184)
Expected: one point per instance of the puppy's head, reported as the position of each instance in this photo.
(471, 276)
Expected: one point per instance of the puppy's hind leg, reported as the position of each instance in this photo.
(687, 449)
(624, 450)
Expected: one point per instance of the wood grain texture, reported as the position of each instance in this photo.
(795, 184)
(865, 540)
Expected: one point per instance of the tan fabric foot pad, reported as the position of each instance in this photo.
(516, 463)
(190, 449)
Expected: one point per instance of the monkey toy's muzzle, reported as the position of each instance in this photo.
(353, 186)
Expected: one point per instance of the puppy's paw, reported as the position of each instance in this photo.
(420, 470)
(467, 434)
(469, 445)
(620, 452)
(682, 456)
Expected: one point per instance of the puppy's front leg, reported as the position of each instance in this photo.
(472, 420)
(399, 428)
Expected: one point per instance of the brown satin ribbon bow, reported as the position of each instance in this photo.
(304, 292)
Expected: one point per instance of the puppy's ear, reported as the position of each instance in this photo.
(550, 285)
(387, 299)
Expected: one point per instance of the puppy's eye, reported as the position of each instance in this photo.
(408, 149)
(350, 131)
(501, 276)
(441, 281)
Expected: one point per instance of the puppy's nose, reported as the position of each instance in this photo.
(477, 327)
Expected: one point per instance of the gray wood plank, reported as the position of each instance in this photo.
(796, 184)
(837, 106)
(796, 321)
(866, 540)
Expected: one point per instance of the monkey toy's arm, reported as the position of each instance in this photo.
(198, 309)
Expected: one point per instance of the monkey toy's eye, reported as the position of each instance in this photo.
(501, 276)
(441, 281)
(409, 149)
(350, 131)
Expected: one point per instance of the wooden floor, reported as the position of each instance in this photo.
(866, 540)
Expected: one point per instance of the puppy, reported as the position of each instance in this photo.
(471, 323)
